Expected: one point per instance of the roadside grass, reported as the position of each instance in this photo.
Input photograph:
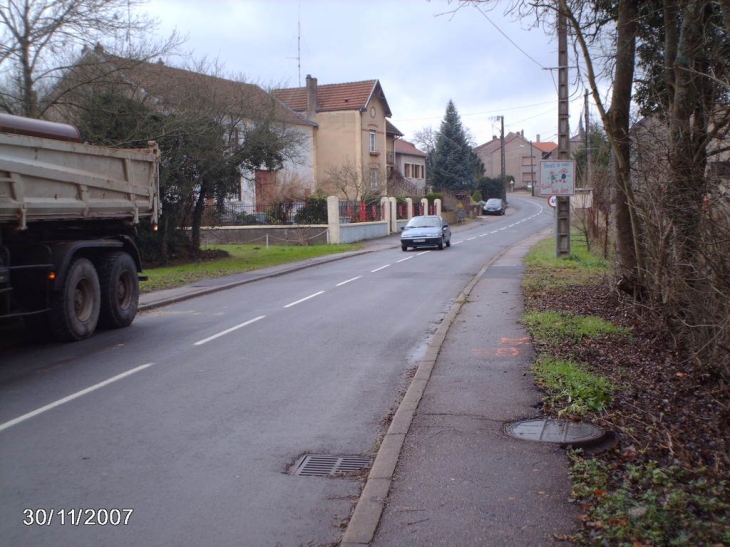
(553, 327)
(543, 271)
(242, 258)
(570, 387)
(625, 500)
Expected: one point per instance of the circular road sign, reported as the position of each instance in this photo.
(552, 201)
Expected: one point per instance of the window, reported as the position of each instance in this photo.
(409, 169)
(373, 142)
(374, 182)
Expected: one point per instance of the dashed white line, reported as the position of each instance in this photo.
(378, 269)
(227, 331)
(303, 299)
(72, 397)
(403, 259)
(423, 253)
(348, 281)
(470, 238)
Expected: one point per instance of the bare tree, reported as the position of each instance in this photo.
(212, 130)
(42, 39)
(426, 138)
(353, 183)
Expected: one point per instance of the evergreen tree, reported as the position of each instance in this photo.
(452, 163)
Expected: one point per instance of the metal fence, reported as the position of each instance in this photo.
(292, 212)
(301, 212)
(359, 211)
(418, 210)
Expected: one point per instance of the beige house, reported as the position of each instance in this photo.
(410, 162)
(353, 143)
(522, 158)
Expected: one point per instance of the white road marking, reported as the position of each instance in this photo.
(404, 259)
(423, 253)
(303, 299)
(344, 282)
(470, 238)
(227, 331)
(378, 269)
(72, 397)
(457, 242)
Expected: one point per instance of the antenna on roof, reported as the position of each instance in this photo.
(299, 45)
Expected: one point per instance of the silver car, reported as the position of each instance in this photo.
(426, 231)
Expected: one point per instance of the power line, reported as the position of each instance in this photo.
(508, 38)
(522, 107)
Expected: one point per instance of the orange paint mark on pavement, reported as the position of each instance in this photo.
(507, 352)
(516, 341)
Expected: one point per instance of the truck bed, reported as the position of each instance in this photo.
(44, 179)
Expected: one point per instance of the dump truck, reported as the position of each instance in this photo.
(69, 260)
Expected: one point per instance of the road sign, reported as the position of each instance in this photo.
(557, 178)
(553, 201)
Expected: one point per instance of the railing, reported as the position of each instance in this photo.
(234, 214)
(359, 211)
(418, 210)
(301, 212)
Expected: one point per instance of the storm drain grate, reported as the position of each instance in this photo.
(327, 466)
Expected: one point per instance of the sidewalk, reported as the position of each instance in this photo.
(446, 473)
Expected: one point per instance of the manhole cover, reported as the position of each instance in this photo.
(327, 466)
(555, 431)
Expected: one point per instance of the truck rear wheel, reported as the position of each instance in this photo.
(75, 309)
(119, 290)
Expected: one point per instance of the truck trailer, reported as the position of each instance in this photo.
(69, 211)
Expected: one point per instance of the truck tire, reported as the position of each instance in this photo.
(75, 309)
(119, 290)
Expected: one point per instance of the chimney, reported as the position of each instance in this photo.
(537, 139)
(311, 96)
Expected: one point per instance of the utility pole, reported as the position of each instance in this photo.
(562, 207)
(503, 163)
(532, 170)
(588, 183)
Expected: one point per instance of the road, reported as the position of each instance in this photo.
(193, 417)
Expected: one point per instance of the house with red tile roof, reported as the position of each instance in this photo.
(237, 105)
(411, 163)
(522, 158)
(352, 134)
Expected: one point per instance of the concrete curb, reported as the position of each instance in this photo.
(369, 509)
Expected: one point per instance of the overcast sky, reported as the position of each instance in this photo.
(423, 55)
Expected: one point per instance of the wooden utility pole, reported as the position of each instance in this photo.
(562, 208)
(587, 183)
(503, 161)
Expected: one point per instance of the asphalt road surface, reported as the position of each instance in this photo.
(182, 429)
